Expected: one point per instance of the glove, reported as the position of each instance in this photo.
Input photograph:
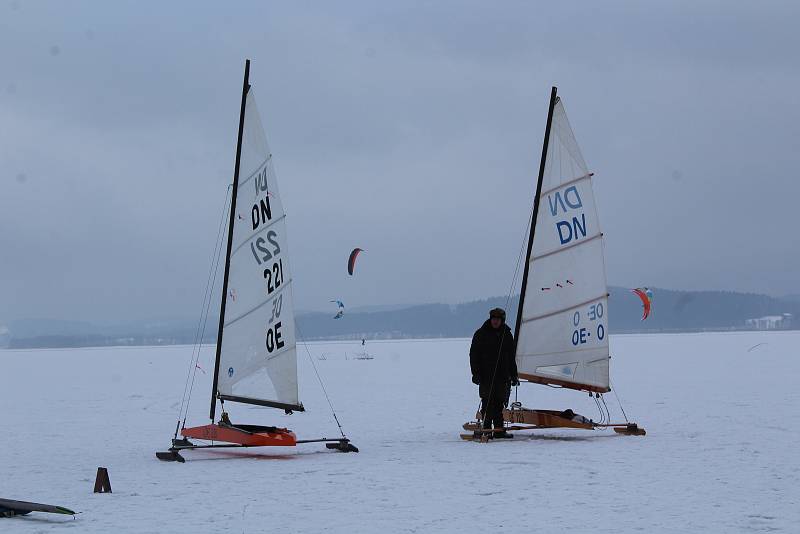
(514, 381)
(476, 380)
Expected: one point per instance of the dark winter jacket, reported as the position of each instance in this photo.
(487, 345)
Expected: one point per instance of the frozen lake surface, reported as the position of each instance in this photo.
(721, 453)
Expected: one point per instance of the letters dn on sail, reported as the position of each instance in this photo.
(567, 202)
(262, 211)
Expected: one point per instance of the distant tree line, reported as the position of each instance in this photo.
(672, 311)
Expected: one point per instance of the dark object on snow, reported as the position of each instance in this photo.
(343, 446)
(10, 508)
(101, 483)
(170, 456)
(631, 429)
(492, 361)
(493, 351)
(485, 434)
(173, 454)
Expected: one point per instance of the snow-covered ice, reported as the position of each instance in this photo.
(721, 453)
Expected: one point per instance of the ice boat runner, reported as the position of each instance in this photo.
(562, 322)
(11, 508)
(256, 353)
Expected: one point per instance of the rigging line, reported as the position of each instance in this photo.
(599, 409)
(608, 412)
(215, 265)
(519, 259)
(319, 378)
(206, 300)
(618, 400)
(508, 300)
(205, 321)
(204, 308)
(599, 405)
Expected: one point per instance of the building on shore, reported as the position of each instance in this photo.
(771, 322)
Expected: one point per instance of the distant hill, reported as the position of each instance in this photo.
(694, 311)
(673, 311)
(42, 333)
(421, 321)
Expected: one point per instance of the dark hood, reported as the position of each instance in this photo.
(487, 325)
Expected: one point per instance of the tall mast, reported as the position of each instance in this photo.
(245, 88)
(553, 99)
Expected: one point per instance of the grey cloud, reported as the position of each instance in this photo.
(413, 133)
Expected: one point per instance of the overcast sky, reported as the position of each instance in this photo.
(412, 132)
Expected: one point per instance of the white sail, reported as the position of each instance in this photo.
(258, 360)
(563, 337)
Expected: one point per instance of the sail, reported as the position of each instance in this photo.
(258, 356)
(563, 333)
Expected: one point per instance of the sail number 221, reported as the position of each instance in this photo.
(274, 276)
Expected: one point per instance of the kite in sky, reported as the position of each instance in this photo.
(351, 261)
(647, 300)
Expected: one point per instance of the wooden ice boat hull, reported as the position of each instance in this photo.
(555, 419)
(543, 419)
(245, 435)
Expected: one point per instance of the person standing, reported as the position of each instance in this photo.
(494, 369)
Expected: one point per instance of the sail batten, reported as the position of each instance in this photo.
(562, 327)
(553, 353)
(569, 182)
(563, 249)
(562, 310)
(255, 172)
(257, 232)
(248, 312)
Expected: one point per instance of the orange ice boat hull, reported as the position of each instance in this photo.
(245, 435)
